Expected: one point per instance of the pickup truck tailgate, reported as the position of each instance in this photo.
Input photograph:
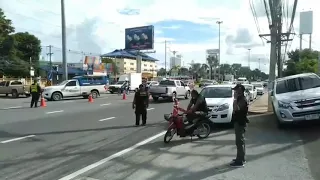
(158, 90)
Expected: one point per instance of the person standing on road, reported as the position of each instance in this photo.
(140, 104)
(240, 120)
(35, 91)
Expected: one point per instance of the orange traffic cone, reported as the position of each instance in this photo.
(124, 97)
(43, 102)
(90, 99)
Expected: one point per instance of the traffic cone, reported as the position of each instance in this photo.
(90, 99)
(124, 97)
(43, 102)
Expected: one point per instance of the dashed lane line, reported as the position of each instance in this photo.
(53, 112)
(107, 159)
(16, 139)
(105, 104)
(106, 119)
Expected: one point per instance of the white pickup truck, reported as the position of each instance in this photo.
(72, 88)
(169, 89)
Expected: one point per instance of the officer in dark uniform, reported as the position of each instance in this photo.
(240, 120)
(140, 104)
(35, 91)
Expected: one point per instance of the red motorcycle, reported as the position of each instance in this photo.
(178, 124)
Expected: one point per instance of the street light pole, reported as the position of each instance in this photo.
(219, 23)
(64, 44)
(249, 58)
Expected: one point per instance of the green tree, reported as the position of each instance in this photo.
(161, 72)
(307, 65)
(6, 27)
(213, 64)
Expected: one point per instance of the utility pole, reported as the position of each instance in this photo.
(165, 56)
(219, 23)
(64, 44)
(249, 54)
(279, 34)
(50, 60)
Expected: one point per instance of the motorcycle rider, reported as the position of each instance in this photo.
(197, 104)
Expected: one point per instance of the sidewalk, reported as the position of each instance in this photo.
(259, 106)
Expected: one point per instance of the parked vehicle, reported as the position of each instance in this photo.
(296, 98)
(170, 89)
(219, 99)
(242, 80)
(15, 88)
(259, 87)
(252, 90)
(74, 88)
(177, 123)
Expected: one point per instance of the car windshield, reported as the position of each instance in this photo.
(63, 83)
(217, 92)
(120, 82)
(248, 87)
(297, 84)
(167, 83)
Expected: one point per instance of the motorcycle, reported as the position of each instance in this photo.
(178, 122)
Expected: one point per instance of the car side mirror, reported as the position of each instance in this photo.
(271, 93)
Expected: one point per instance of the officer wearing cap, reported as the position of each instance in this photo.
(140, 104)
(35, 91)
(240, 120)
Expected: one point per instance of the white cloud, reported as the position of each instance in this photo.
(96, 26)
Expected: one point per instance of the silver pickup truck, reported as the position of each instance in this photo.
(169, 89)
(15, 88)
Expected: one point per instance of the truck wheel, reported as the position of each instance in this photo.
(57, 96)
(111, 92)
(94, 94)
(14, 93)
(187, 95)
(28, 95)
(155, 98)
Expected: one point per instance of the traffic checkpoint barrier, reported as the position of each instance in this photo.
(90, 99)
(124, 96)
(43, 102)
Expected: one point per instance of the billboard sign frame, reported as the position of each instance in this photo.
(139, 38)
(212, 51)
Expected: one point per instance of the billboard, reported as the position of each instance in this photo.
(139, 38)
(306, 22)
(212, 51)
(93, 65)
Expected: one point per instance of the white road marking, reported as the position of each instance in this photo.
(17, 139)
(105, 104)
(15, 107)
(52, 112)
(106, 119)
(150, 109)
(118, 154)
(86, 178)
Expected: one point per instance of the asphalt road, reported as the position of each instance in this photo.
(77, 140)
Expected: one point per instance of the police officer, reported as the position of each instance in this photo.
(35, 91)
(240, 120)
(140, 104)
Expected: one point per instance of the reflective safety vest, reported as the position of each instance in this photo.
(34, 88)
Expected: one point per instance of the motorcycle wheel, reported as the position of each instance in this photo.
(204, 130)
(169, 135)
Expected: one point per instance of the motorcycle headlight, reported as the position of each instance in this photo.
(284, 105)
(223, 107)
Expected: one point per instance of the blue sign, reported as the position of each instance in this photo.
(139, 38)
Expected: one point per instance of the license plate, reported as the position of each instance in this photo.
(312, 116)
